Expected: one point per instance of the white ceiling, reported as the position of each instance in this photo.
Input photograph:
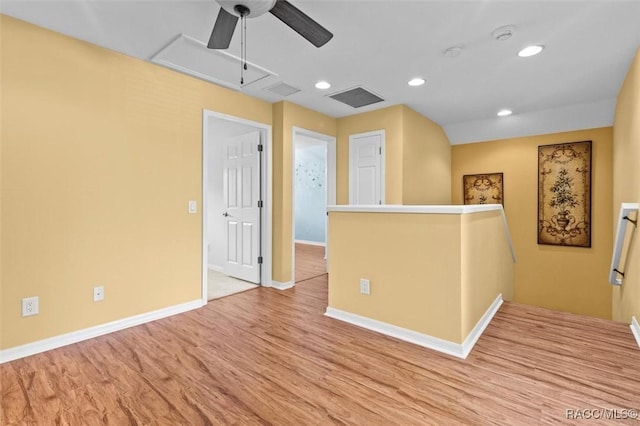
(380, 45)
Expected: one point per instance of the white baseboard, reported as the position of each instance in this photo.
(279, 285)
(480, 326)
(437, 344)
(311, 243)
(401, 333)
(215, 267)
(635, 329)
(48, 344)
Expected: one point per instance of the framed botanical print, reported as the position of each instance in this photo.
(485, 188)
(564, 194)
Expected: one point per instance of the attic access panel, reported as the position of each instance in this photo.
(191, 56)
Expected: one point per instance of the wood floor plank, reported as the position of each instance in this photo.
(310, 261)
(271, 357)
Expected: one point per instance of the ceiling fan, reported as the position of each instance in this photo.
(231, 10)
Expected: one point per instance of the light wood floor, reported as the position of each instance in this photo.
(309, 262)
(271, 357)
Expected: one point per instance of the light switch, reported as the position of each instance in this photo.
(193, 207)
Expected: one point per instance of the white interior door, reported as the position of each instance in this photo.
(366, 168)
(241, 196)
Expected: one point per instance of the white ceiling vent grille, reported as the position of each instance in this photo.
(356, 97)
(282, 89)
(191, 56)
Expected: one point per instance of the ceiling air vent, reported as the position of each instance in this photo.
(282, 89)
(356, 97)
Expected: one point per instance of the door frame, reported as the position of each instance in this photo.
(352, 142)
(266, 193)
(330, 142)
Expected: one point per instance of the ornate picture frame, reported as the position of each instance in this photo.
(564, 194)
(484, 188)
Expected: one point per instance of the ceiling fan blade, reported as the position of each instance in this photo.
(301, 23)
(222, 30)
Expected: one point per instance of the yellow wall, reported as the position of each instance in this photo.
(435, 274)
(626, 177)
(1, 139)
(564, 278)
(100, 154)
(397, 259)
(417, 162)
(387, 119)
(417, 156)
(281, 265)
(487, 266)
(286, 116)
(426, 161)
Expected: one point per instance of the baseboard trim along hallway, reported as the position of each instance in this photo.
(440, 345)
(95, 331)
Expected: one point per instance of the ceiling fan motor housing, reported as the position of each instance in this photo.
(250, 8)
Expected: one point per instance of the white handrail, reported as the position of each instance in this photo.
(615, 275)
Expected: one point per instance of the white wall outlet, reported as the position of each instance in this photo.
(365, 286)
(193, 207)
(30, 306)
(98, 293)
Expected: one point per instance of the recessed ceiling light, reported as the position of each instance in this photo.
(530, 51)
(504, 112)
(416, 81)
(322, 85)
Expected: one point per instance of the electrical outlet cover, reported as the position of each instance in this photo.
(30, 306)
(365, 286)
(98, 293)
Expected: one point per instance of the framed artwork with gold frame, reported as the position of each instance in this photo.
(484, 188)
(564, 194)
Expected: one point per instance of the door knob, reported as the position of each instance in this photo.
(225, 214)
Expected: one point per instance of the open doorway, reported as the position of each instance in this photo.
(313, 190)
(236, 218)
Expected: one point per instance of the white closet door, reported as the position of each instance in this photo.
(366, 168)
